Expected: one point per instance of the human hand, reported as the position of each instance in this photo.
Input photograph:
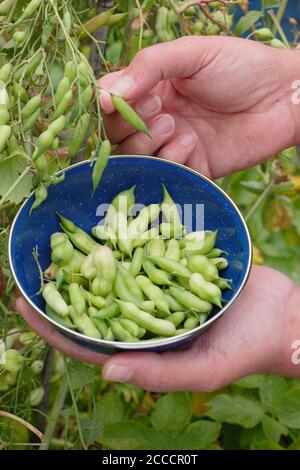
(256, 334)
(216, 104)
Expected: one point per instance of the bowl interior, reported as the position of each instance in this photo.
(73, 198)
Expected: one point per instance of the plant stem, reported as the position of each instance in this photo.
(279, 29)
(259, 201)
(74, 405)
(13, 187)
(54, 415)
(280, 13)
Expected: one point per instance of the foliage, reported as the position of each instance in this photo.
(257, 412)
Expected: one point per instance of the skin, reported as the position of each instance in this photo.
(217, 105)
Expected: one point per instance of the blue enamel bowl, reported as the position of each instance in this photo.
(73, 198)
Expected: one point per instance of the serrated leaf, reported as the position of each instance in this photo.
(91, 430)
(273, 429)
(110, 408)
(271, 391)
(288, 408)
(201, 434)
(10, 170)
(252, 381)
(246, 22)
(172, 412)
(80, 374)
(235, 409)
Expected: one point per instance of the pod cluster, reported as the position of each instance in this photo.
(143, 279)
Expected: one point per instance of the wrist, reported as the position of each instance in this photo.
(290, 66)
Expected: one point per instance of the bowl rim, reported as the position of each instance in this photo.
(146, 344)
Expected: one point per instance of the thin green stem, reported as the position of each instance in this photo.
(280, 13)
(74, 405)
(279, 29)
(54, 415)
(259, 201)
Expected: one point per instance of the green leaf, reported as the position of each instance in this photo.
(110, 408)
(80, 374)
(271, 391)
(252, 381)
(130, 435)
(201, 434)
(10, 169)
(273, 429)
(251, 436)
(288, 408)
(246, 22)
(270, 4)
(172, 412)
(91, 430)
(235, 409)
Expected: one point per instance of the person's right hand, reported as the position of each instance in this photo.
(216, 104)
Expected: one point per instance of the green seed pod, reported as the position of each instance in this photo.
(264, 34)
(84, 74)
(63, 105)
(173, 250)
(205, 290)
(18, 37)
(170, 211)
(28, 123)
(55, 144)
(6, 69)
(4, 115)
(156, 247)
(37, 366)
(132, 328)
(140, 224)
(54, 299)
(128, 113)
(20, 92)
(5, 132)
(137, 261)
(84, 324)
(191, 322)
(67, 21)
(77, 298)
(145, 237)
(105, 233)
(124, 201)
(277, 44)
(146, 320)
(174, 305)
(27, 337)
(125, 244)
(202, 247)
(28, 11)
(62, 88)
(153, 293)
(221, 263)
(36, 396)
(28, 69)
(177, 318)
(120, 333)
(79, 134)
(62, 253)
(94, 300)
(101, 162)
(109, 335)
(100, 324)
(223, 283)
(131, 283)
(41, 194)
(190, 300)
(200, 264)
(110, 311)
(70, 71)
(170, 266)
(11, 360)
(157, 276)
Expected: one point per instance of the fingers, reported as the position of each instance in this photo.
(52, 336)
(180, 149)
(161, 129)
(176, 59)
(118, 129)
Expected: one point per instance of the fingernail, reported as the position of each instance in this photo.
(122, 85)
(188, 140)
(149, 106)
(117, 373)
(163, 124)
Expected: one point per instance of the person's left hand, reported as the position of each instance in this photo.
(255, 335)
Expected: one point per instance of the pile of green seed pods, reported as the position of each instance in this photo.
(135, 279)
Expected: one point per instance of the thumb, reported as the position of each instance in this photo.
(181, 58)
